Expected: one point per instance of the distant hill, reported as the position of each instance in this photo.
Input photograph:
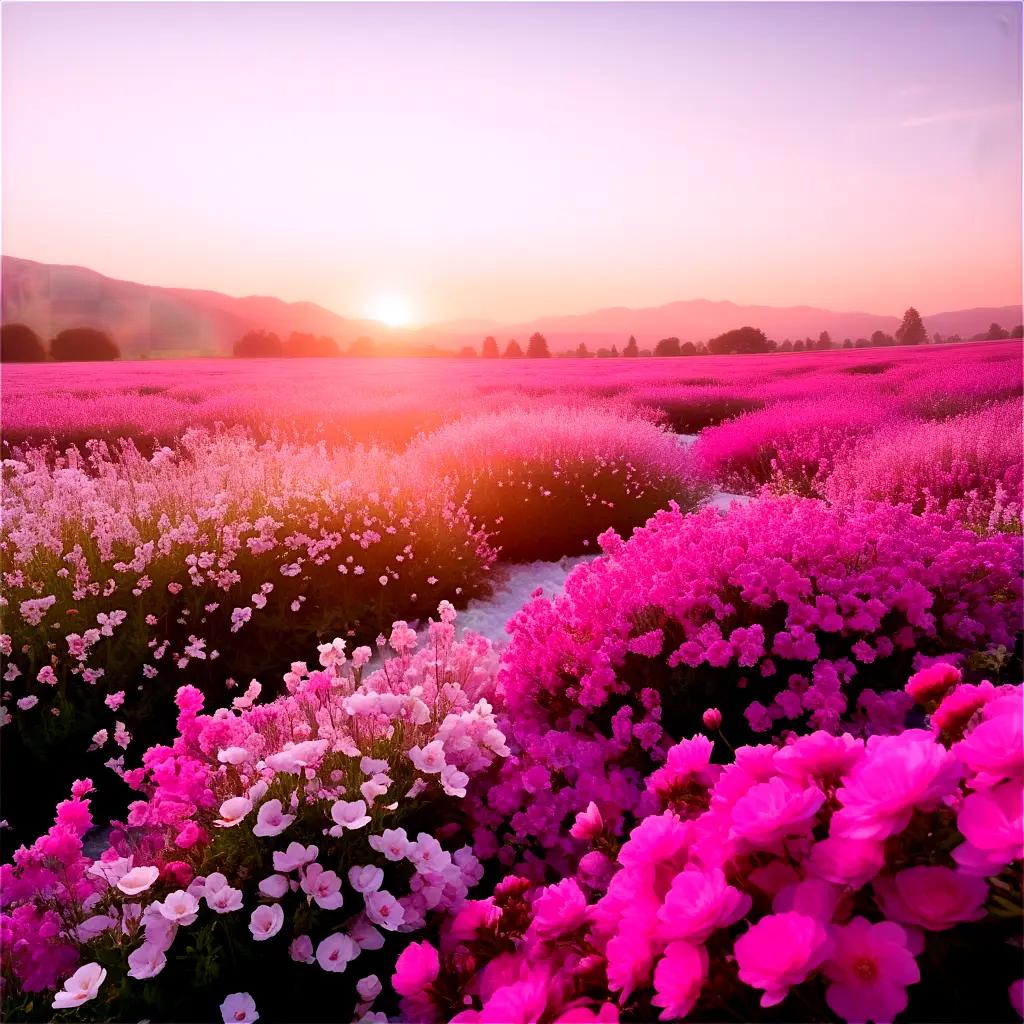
(164, 322)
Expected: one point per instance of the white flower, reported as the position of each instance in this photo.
(82, 986)
(232, 811)
(131, 883)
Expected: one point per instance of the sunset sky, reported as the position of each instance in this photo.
(512, 160)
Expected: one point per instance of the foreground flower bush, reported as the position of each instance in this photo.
(125, 576)
(278, 846)
(785, 614)
(969, 464)
(828, 877)
(545, 482)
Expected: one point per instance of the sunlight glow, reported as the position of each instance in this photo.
(390, 308)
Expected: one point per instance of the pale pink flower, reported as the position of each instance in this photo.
(266, 921)
(336, 952)
(294, 857)
(239, 1008)
(392, 842)
(274, 886)
(146, 962)
(869, 969)
(780, 951)
(137, 880)
(223, 899)
(323, 887)
(301, 950)
(369, 987)
(232, 755)
(428, 759)
(179, 908)
(232, 811)
(348, 814)
(678, 979)
(271, 819)
(82, 986)
(366, 878)
(383, 909)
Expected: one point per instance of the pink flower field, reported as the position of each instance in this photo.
(758, 761)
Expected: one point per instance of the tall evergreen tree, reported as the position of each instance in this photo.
(911, 331)
(631, 349)
(490, 349)
(537, 347)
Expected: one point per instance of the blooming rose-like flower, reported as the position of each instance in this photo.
(932, 897)
(271, 819)
(559, 909)
(697, 903)
(852, 862)
(588, 824)
(869, 969)
(780, 951)
(992, 822)
(82, 986)
(416, 968)
(266, 921)
(146, 962)
(232, 811)
(239, 1008)
(901, 772)
(137, 880)
(931, 684)
(772, 810)
(336, 952)
(678, 979)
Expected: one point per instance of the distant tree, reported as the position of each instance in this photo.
(996, 333)
(632, 350)
(1018, 331)
(799, 345)
(614, 352)
(582, 352)
(880, 339)
(862, 343)
(299, 345)
(936, 338)
(847, 343)
(490, 349)
(667, 347)
(911, 331)
(537, 347)
(954, 339)
(513, 350)
(362, 347)
(688, 349)
(824, 341)
(786, 346)
(742, 339)
(258, 345)
(467, 352)
(83, 344)
(702, 349)
(20, 344)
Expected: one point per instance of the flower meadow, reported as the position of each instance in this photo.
(756, 761)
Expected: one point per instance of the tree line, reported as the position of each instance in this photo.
(20, 344)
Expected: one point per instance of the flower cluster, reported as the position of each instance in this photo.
(825, 875)
(786, 614)
(313, 817)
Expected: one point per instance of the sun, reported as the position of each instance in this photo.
(391, 308)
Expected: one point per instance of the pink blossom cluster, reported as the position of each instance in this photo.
(315, 814)
(825, 875)
(787, 614)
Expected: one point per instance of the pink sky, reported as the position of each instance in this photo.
(511, 160)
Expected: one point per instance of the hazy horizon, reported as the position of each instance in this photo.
(440, 162)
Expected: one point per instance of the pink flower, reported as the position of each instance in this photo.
(336, 952)
(932, 897)
(415, 969)
(780, 951)
(232, 811)
(931, 684)
(678, 979)
(271, 819)
(697, 903)
(137, 880)
(852, 862)
(323, 887)
(392, 842)
(428, 759)
(146, 962)
(349, 814)
(179, 908)
(294, 857)
(992, 822)
(898, 774)
(82, 986)
(559, 909)
(770, 811)
(869, 970)
(366, 878)
(266, 921)
(383, 909)
(712, 719)
(301, 950)
(588, 824)
(239, 1008)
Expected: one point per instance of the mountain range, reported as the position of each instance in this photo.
(165, 322)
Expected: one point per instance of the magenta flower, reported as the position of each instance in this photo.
(869, 970)
(772, 810)
(415, 969)
(588, 824)
(678, 979)
(559, 909)
(780, 951)
(932, 897)
(698, 903)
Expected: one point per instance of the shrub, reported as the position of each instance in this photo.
(827, 877)
(258, 345)
(20, 344)
(970, 463)
(126, 576)
(546, 481)
(784, 614)
(83, 344)
(277, 844)
(687, 411)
